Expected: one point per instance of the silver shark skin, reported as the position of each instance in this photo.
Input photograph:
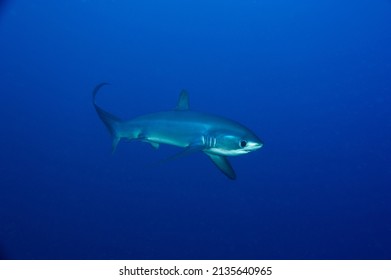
(216, 136)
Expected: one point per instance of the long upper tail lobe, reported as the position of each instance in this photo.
(112, 122)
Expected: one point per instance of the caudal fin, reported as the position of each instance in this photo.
(112, 122)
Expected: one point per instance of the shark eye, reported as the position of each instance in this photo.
(243, 143)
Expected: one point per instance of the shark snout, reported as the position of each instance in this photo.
(252, 146)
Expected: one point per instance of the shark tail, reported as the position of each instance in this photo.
(112, 123)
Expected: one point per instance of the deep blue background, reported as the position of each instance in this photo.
(311, 78)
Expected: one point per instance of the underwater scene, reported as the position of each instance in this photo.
(195, 129)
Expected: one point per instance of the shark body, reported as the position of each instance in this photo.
(216, 136)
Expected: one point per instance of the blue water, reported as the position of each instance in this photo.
(311, 78)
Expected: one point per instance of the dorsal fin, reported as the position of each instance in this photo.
(183, 101)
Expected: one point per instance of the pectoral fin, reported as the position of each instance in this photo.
(223, 164)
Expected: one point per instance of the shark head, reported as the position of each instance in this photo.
(235, 142)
